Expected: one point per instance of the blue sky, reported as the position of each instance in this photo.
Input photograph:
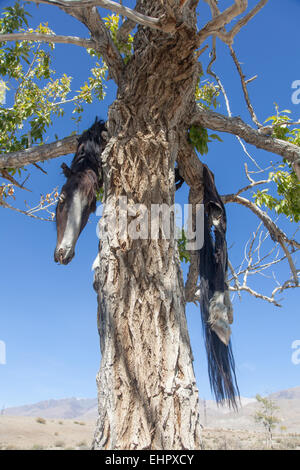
(48, 312)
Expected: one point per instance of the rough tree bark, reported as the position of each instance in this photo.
(147, 392)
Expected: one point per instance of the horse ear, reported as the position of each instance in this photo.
(66, 170)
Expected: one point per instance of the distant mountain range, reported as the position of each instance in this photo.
(66, 408)
(212, 416)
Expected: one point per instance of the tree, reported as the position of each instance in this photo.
(266, 415)
(163, 108)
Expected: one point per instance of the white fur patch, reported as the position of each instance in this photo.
(73, 225)
(96, 263)
(218, 317)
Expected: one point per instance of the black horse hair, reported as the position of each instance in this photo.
(213, 269)
(90, 146)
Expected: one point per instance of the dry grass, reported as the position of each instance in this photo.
(220, 439)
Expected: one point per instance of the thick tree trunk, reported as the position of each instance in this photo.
(147, 392)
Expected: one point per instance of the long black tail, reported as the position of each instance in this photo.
(215, 305)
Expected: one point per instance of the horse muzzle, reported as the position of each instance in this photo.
(64, 256)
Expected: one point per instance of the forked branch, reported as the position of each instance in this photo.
(220, 20)
(228, 38)
(44, 205)
(136, 17)
(261, 261)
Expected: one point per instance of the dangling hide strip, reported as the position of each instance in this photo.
(216, 309)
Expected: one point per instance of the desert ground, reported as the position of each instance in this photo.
(35, 433)
(69, 423)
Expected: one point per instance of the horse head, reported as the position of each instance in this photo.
(77, 199)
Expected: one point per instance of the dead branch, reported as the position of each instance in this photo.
(244, 87)
(6, 175)
(255, 263)
(44, 205)
(227, 104)
(276, 233)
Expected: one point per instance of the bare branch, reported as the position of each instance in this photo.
(29, 213)
(244, 86)
(235, 277)
(255, 294)
(291, 263)
(213, 4)
(6, 175)
(39, 153)
(229, 37)
(215, 76)
(125, 30)
(289, 284)
(136, 17)
(253, 184)
(258, 264)
(49, 38)
(236, 126)
(276, 233)
(251, 79)
(222, 19)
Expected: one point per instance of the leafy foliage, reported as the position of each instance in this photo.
(125, 48)
(281, 130)
(285, 179)
(99, 195)
(199, 138)
(266, 415)
(184, 255)
(13, 18)
(288, 187)
(6, 190)
(207, 94)
(36, 93)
